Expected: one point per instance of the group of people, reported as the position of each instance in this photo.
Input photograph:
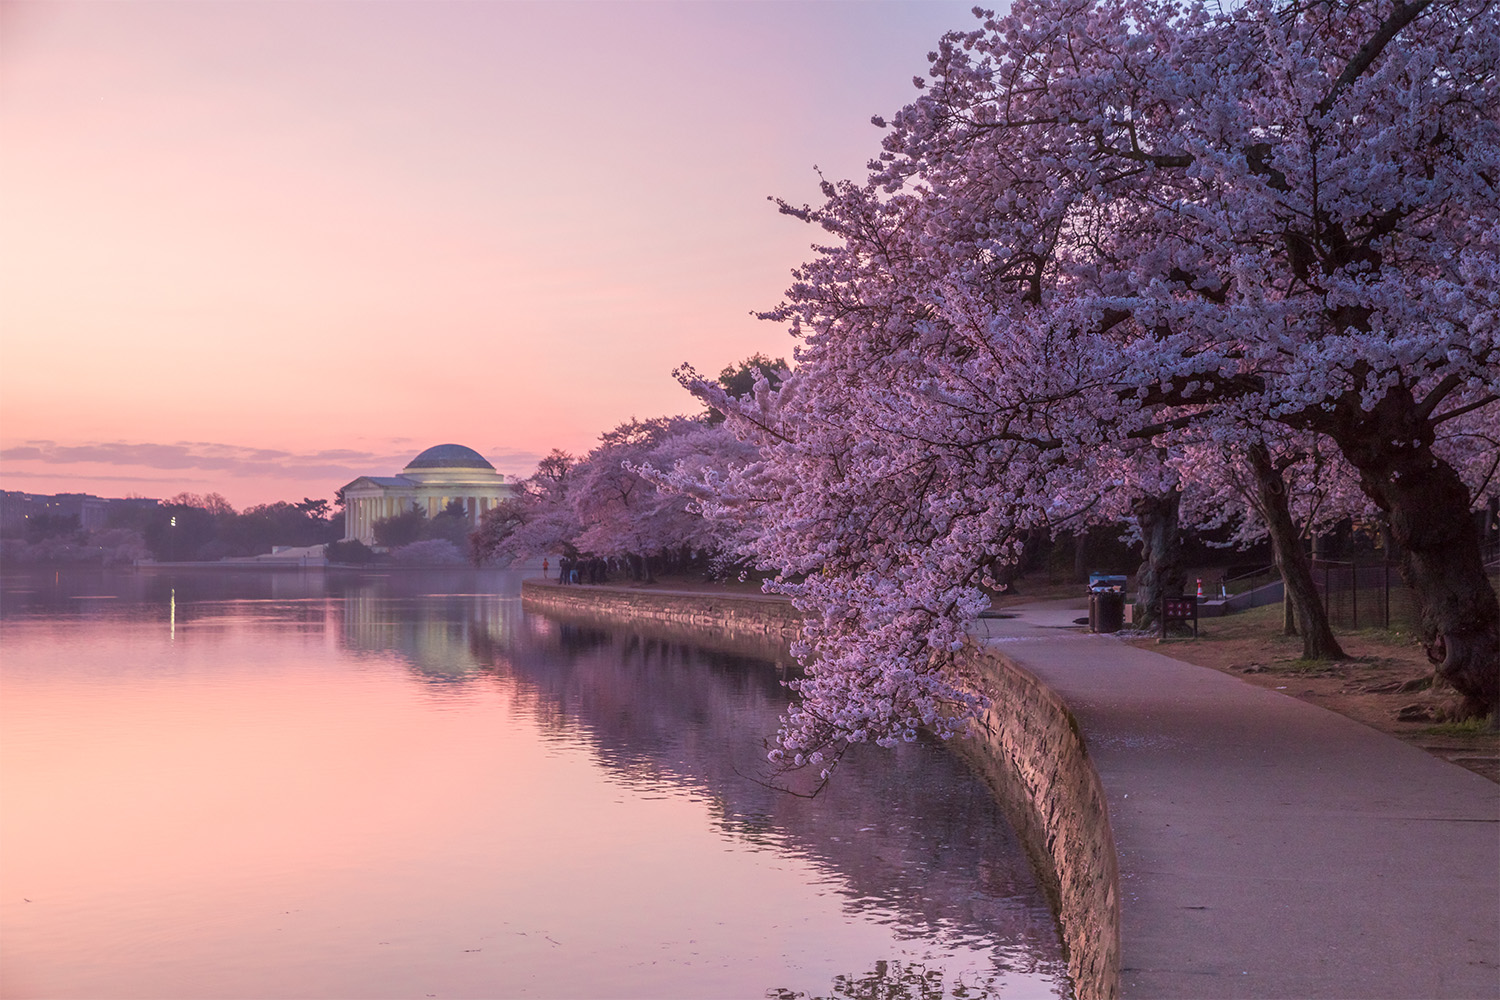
(589, 569)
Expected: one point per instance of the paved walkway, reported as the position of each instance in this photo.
(1270, 848)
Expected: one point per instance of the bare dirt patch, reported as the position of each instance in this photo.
(1383, 684)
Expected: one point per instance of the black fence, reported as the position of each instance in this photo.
(1371, 595)
(1356, 594)
(1365, 595)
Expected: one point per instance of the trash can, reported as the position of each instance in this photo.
(1106, 602)
(1106, 611)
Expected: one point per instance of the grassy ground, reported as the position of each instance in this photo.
(1380, 684)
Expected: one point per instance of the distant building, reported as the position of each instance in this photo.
(16, 508)
(432, 480)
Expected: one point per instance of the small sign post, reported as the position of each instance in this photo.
(1183, 608)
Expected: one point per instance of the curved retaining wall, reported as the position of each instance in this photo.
(1028, 749)
(710, 617)
(1030, 752)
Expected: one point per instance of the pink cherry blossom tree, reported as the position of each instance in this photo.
(1282, 213)
(622, 513)
(608, 503)
(1105, 227)
(538, 521)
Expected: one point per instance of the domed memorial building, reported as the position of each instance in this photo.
(433, 479)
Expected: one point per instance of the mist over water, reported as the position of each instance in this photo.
(310, 785)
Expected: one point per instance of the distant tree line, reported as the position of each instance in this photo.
(185, 528)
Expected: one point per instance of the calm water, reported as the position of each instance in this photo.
(281, 785)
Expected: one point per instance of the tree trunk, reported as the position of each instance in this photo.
(1318, 642)
(1161, 570)
(1427, 506)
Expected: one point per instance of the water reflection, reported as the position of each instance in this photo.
(908, 836)
(242, 744)
(91, 592)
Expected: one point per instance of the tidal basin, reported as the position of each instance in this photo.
(282, 784)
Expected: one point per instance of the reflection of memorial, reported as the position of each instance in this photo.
(436, 632)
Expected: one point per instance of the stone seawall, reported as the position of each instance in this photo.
(1028, 750)
(749, 624)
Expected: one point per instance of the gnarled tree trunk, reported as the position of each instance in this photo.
(1161, 569)
(1318, 642)
(1427, 507)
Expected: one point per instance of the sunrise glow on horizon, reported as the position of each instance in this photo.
(260, 249)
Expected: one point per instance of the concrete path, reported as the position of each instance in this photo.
(1270, 848)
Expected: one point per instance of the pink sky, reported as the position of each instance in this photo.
(262, 248)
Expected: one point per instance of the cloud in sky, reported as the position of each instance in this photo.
(198, 455)
(95, 478)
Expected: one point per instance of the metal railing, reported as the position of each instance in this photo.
(1254, 585)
